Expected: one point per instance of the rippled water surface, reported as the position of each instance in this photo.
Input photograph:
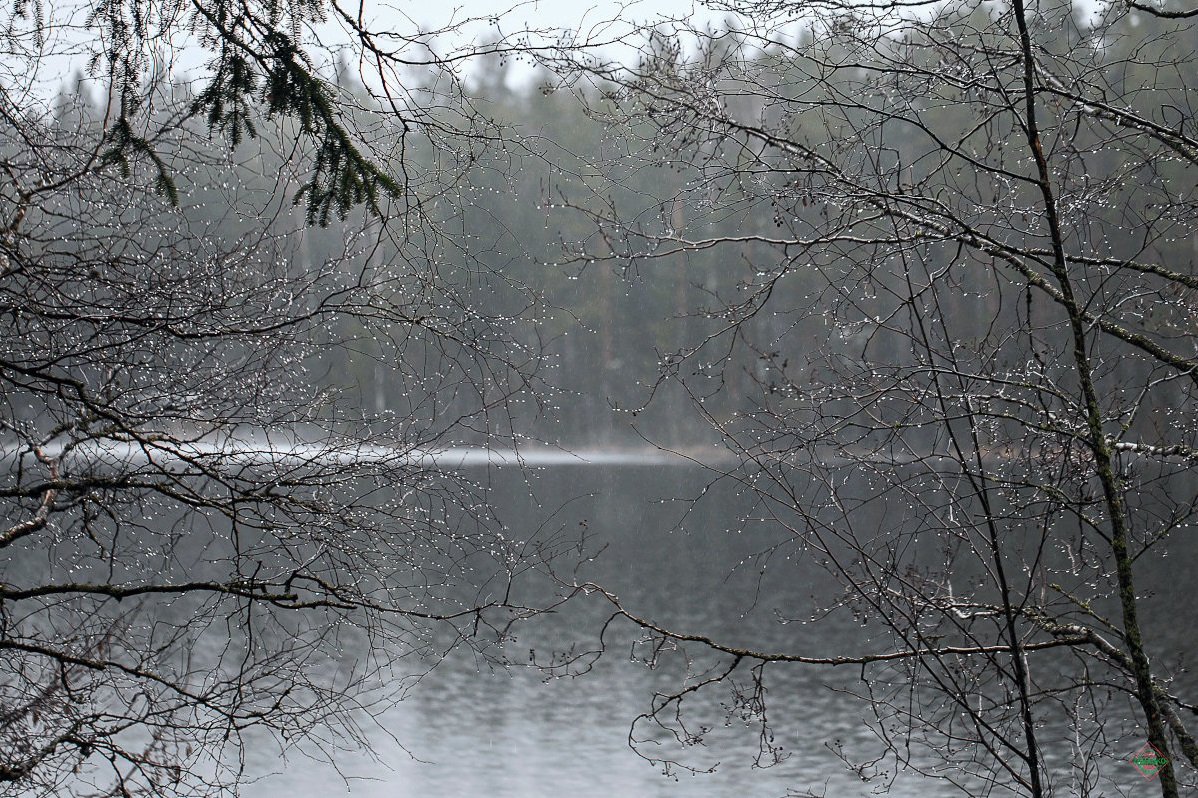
(469, 728)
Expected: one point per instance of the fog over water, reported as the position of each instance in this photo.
(471, 728)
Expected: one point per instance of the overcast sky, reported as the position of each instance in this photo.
(68, 38)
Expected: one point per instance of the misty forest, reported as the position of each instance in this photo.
(760, 398)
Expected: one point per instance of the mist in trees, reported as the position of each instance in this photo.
(915, 284)
(954, 362)
(210, 544)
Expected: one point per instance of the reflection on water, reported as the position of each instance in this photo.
(472, 729)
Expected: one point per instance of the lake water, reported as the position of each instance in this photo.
(472, 729)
